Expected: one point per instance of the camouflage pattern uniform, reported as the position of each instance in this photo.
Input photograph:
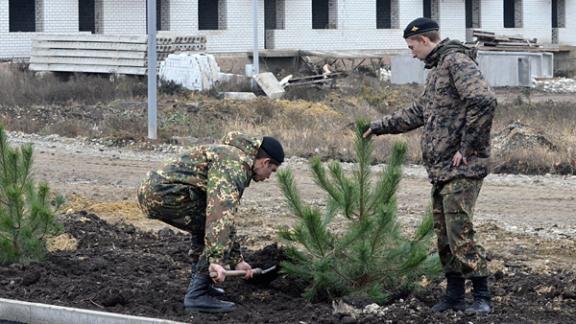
(456, 111)
(199, 192)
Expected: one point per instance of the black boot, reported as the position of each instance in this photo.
(454, 298)
(482, 299)
(213, 291)
(198, 299)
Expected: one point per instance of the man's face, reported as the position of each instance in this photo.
(263, 169)
(420, 47)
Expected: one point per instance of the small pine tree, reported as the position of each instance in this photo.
(26, 216)
(372, 258)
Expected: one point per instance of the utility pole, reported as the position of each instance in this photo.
(255, 58)
(152, 84)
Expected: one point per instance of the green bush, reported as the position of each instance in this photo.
(26, 216)
(372, 258)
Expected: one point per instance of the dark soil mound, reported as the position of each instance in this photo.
(120, 269)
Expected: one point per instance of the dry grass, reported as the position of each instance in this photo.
(309, 120)
(63, 242)
(19, 87)
(118, 211)
(553, 119)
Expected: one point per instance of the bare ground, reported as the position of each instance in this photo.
(529, 219)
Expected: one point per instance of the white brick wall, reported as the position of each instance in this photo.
(124, 17)
(183, 16)
(567, 35)
(237, 37)
(356, 25)
(60, 16)
(452, 19)
(537, 21)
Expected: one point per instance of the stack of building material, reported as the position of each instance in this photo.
(111, 54)
(192, 71)
(491, 39)
(169, 43)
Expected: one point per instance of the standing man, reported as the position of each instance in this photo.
(199, 192)
(456, 111)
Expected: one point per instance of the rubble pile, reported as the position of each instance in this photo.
(519, 136)
(557, 85)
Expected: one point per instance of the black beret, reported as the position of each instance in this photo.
(273, 148)
(419, 26)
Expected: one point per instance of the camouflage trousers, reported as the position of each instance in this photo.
(180, 206)
(452, 207)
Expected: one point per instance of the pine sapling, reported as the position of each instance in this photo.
(372, 257)
(26, 214)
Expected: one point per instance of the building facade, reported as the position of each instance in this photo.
(286, 24)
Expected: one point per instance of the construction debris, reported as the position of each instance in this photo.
(384, 74)
(319, 79)
(192, 71)
(492, 40)
(557, 85)
(244, 96)
(270, 85)
(519, 136)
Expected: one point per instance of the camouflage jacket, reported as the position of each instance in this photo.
(223, 171)
(456, 110)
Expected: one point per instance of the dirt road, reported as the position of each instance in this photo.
(532, 217)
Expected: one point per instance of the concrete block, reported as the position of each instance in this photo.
(406, 69)
(245, 96)
(270, 85)
(35, 313)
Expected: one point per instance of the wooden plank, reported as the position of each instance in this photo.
(136, 39)
(88, 53)
(90, 45)
(88, 61)
(88, 68)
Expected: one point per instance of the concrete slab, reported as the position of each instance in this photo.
(35, 313)
(246, 96)
(270, 85)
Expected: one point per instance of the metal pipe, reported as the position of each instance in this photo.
(255, 58)
(152, 71)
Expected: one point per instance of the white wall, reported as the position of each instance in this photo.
(238, 35)
(124, 17)
(567, 35)
(356, 28)
(60, 16)
(356, 24)
(537, 20)
(452, 19)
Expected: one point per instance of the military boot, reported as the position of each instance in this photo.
(198, 299)
(454, 298)
(482, 298)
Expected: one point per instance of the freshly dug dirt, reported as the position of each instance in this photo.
(118, 268)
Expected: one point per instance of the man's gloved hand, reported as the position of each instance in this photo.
(246, 267)
(219, 270)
